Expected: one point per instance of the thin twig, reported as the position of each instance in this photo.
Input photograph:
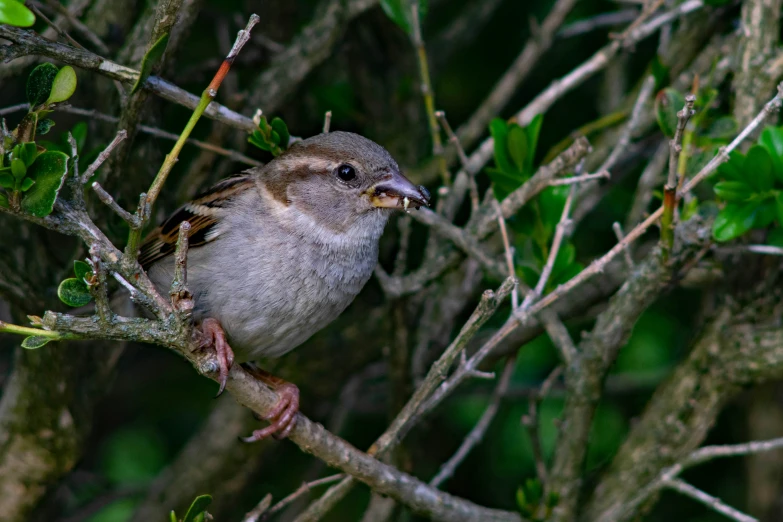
(711, 502)
(302, 490)
(560, 231)
(477, 433)
(509, 253)
(580, 179)
(54, 26)
(79, 26)
(327, 121)
(530, 421)
(103, 156)
(618, 232)
(152, 131)
(106, 198)
(463, 158)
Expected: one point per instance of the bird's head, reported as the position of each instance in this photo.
(340, 179)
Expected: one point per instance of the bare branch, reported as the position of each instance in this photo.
(121, 135)
(711, 502)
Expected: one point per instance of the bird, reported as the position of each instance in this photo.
(277, 252)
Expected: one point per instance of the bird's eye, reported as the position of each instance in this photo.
(346, 173)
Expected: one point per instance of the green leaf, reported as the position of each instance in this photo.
(399, 11)
(758, 168)
(779, 208)
(499, 131)
(44, 126)
(660, 72)
(18, 168)
(772, 139)
(3, 200)
(765, 213)
(172, 516)
(522, 499)
(74, 292)
(35, 341)
(48, 172)
(7, 181)
(79, 133)
(732, 169)
(258, 140)
(63, 86)
(26, 152)
(279, 126)
(733, 190)
(26, 184)
(151, 59)
(199, 505)
(15, 13)
(503, 183)
(81, 269)
(723, 128)
(518, 146)
(39, 83)
(667, 103)
(734, 220)
(275, 137)
(533, 129)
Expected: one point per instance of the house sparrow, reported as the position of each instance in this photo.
(278, 252)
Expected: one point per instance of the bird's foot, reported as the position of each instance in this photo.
(282, 418)
(212, 334)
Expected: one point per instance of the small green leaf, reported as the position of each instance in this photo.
(63, 86)
(734, 220)
(15, 13)
(26, 184)
(35, 341)
(522, 499)
(399, 11)
(518, 146)
(26, 152)
(44, 126)
(779, 208)
(660, 72)
(503, 183)
(279, 126)
(258, 140)
(667, 103)
(275, 137)
(79, 133)
(758, 168)
(772, 139)
(172, 516)
(151, 59)
(499, 130)
(3, 200)
(733, 190)
(533, 129)
(39, 83)
(48, 172)
(723, 128)
(18, 168)
(74, 292)
(199, 505)
(81, 269)
(7, 181)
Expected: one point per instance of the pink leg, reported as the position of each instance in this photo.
(282, 418)
(213, 335)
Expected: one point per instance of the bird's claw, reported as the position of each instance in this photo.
(282, 418)
(212, 334)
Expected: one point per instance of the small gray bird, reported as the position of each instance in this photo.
(280, 251)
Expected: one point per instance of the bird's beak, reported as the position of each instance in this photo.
(398, 192)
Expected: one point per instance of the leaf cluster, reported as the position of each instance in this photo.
(272, 137)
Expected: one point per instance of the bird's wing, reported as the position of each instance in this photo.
(203, 214)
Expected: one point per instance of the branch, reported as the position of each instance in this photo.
(33, 44)
(711, 502)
